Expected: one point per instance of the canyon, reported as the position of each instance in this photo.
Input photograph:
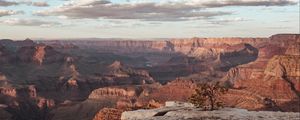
(100, 79)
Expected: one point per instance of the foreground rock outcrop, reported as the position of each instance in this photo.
(181, 112)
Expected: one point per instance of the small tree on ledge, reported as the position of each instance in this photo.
(208, 95)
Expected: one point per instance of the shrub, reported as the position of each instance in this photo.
(207, 94)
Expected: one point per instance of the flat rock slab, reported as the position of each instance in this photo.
(185, 113)
(142, 114)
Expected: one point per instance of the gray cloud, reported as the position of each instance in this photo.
(225, 3)
(7, 3)
(26, 2)
(29, 22)
(150, 11)
(36, 4)
(40, 4)
(9, 12)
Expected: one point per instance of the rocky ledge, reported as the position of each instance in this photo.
(184, 111)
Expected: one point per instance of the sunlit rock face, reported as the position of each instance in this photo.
(118, 92)
(108, 114)
(275, 75)
(284, 66)
(8, 91)
(39, 54)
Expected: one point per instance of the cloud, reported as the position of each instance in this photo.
(120, 24)
(223, 21)
(40, 4)
(29, 22)
(36, 4)
(9, 12)
(26, 2)
(166, 10)
(225, 3)
(280, 27)
(148, 11)
(7, 3)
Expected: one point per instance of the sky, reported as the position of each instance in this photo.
(63, 19)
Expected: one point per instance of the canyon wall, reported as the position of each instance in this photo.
(274, 76)
(185, 46)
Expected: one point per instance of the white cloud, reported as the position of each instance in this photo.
(29, 22)
(224, 21)
(9, 12)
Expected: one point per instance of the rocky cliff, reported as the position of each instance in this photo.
(191, 47)
(274, 75)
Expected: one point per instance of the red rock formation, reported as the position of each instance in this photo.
(293, 49)
(191, 47)
(178, 90)
(39, 54)
(145, 96)
(122, 73)
(108, 114)
(8, 91)
(70, 82)
(15, 98)
(119, 92)
(283, 66)
(284, 40)
(274, 75)
(42, 102)
(3, 80)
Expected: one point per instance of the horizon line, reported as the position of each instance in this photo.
(132, 38)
